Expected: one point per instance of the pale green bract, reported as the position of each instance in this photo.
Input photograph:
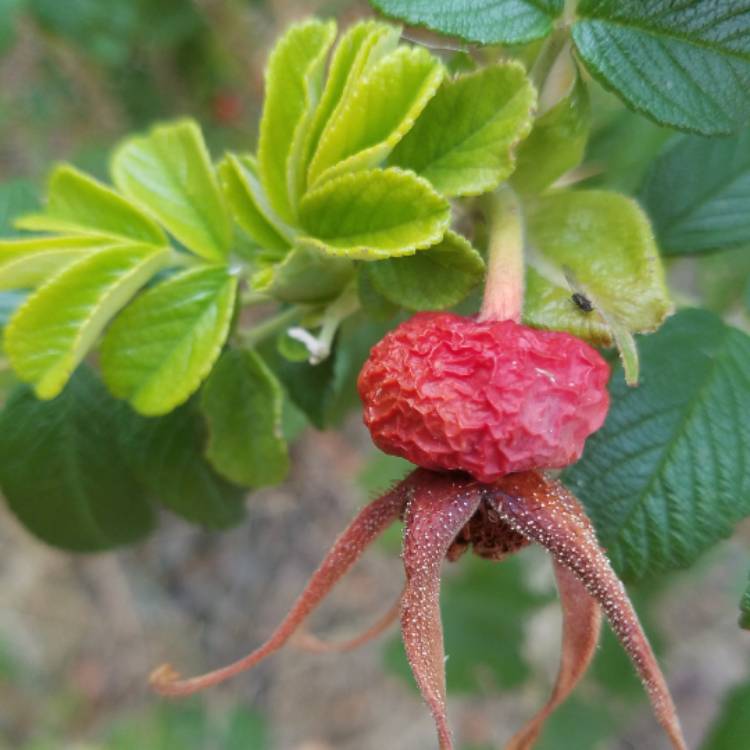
(606, 241)
(374, 214)
(463, 142)
(169, 174)
(56, 326)
(242, 404)
(160, 349)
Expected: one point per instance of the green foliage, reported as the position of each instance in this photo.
(663, 479)
(167, 455)
(733, 722)
(16, 197)
(432, 279)
(160, 349)
(169, 173)
(503, 21)
(242, 403)
(691, 215)
(607, 242)
(62, 471)
(663, 59)
(745, 609)
(373, 214)
(489, 112)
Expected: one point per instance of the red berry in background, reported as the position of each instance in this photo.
(486, 397)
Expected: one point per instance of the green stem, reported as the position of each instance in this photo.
(503, 290)
(271, 326)
(547, 56)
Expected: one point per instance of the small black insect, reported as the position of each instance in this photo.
(582, 302)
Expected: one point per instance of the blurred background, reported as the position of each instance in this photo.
(79, 634)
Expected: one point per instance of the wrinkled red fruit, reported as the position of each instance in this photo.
(486, 397)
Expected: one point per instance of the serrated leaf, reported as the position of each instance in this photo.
(463, 141)
(382, 107)
(556, 144)
(306, 275)
(242, 403)
(665, 478)
(27, 263)
(249, 204)
(167, 455)
(745, 609)
(471, 619)
(363, 45)
(733, 721)
(57, 325)
(158, 352)
(372, 302)
(607, 242)
(62, 471)
(684, 64)
(293, 82)
(374, 214)
(698, 193)
(494, 22)
(79, 204)
(432, 279)
(169, 174)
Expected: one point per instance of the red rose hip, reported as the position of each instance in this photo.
(486, 397)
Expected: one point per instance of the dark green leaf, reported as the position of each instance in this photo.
(733, 721)
(666, 477)
(62, 470)
(167, 454)
(483, 608)
(497, 21)
(432, 279)
(683, 64)
(698, 194)
(242, 402)
(745, 609)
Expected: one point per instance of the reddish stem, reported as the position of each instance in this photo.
(582, 619)
(439, 507)
(346, 550)
(546, 512)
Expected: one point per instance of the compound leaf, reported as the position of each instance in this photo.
(242, 402)
(62, 470)
(383, 104)
(486, 22)
(165, 343)
(432, 279)
(57, 325)
(683, 64)
(666, 477)
(463, 142)
(691, 214)
(169, 174)
(374, 214)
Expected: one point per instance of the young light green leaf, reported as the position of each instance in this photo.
(169, 174)
(684, 64)
(607, 242)
(293, 82)
(363, 45)
(165, 343)
(496, 22)
(79, 204)
(693, 215)
(242, 403)
(382, 107)
(306, 275)
(463, 141)
(556, 144)
(432, 279)
(166, 454)
(665, 478)
(27, 263)
(249, 204)
(62, 470)
(57, 325)
(374, 214)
